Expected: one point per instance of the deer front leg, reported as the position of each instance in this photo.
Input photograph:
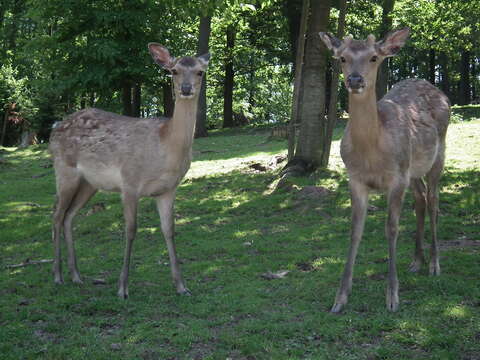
(359, 197)
(130, 203)
(166, 212)
(395, 200)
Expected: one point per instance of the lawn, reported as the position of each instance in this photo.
(232, 229)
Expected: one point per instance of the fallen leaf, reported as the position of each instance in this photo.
(276, 275)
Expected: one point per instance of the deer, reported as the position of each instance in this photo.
(388, 146)
(138, 157)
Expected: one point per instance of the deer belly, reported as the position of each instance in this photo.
(162, 184)
(104, 178)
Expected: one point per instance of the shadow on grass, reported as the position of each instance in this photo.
(466, 113)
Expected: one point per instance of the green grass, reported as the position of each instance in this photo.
(231, 228)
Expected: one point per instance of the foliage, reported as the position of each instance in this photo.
(15, 98)
(262, 90)
(76, 54)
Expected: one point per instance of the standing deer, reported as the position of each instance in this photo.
(387, 146)
(93, 149)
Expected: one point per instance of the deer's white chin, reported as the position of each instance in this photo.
(191, 96)
(356, 91)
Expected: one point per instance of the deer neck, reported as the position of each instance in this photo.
(364, 123)
(183, 122)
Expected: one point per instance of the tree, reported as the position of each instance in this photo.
(385, 27)
(308, 153)
(298, 62)
(202, 48)
(332, 106)
(229, 78)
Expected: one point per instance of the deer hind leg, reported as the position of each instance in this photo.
(130, 205)
(67, 186)
(84, 192)
(395, 200)
(359, 197)
(419, 193)
(166, 212)
(433, 178)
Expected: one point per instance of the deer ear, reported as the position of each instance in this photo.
(393, 42)
(331, 42)
(204, 59)
(161, 55)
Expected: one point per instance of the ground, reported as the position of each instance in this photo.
(263, 265)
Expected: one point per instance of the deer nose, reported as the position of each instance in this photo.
(355, 80)
(186, 89)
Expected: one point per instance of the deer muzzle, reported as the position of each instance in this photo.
(355, 82)
(186, 90)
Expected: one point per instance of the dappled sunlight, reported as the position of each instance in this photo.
(463, 151)
(221, 220)
(229, 232)
(210, 167)
(212, 269)
(186, 220)
(240, 234)
(457, 311)
(328, 260)
(279, 228)
(18, 271)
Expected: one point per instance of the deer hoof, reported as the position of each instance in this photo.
(415, 266)
(58, 279)
(434, 268)
(76, 279)
(392, 301)
(122, 294)
(336, 308)
(184, 292)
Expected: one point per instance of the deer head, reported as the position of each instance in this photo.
(360, 59)
(187, 72)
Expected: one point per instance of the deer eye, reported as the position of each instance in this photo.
(342, 59)
(200, 73)
(174, 72)
(374, 58)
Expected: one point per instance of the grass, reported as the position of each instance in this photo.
(231, 229)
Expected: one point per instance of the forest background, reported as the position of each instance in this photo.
(58, 56)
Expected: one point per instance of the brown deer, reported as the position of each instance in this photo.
(94, 149)
(387, 146)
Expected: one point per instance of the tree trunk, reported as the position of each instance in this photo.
(431, 66)
(4, 126)
(83, 102)
(332, 107)
(168, 102)
(298, 79)
(136, 100)
(445, 75)
(474, 76)
(292, 10)
(385, 27)
(92, 99)
(229, 79)
(203, 39)
(127, 98)
(464, 96)
(308, 154)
